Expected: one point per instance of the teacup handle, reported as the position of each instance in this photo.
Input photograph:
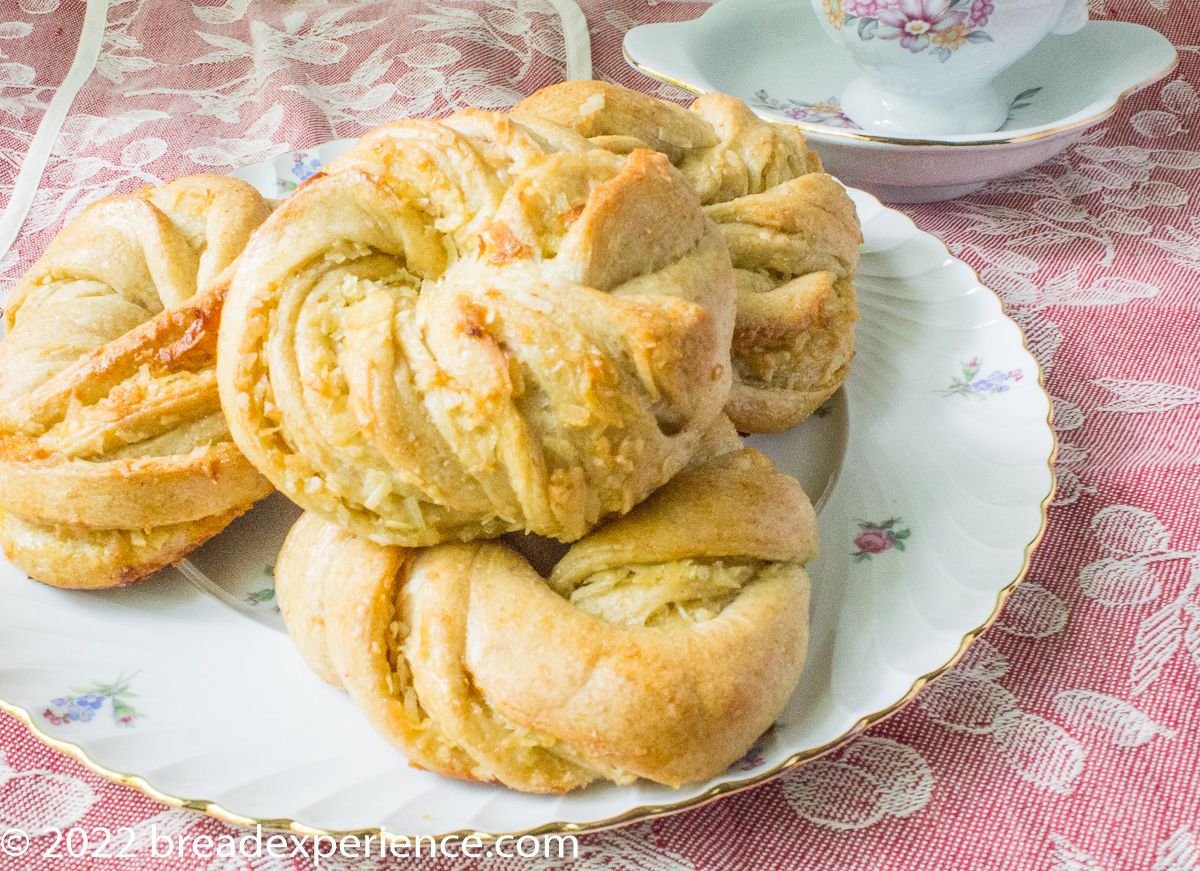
(1074, 16)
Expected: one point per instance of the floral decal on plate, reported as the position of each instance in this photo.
(756, 756)
(84, 706)
(827, 112)
(973, 386)
(303, 168)
(940, 26)
(1020, 101)
(753, 759)
(874, 538)
(265, 596)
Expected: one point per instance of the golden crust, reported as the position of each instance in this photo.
(782, 218)
(478, 325)
(81, 559)
(132, 493)
(659, 649)
(115, 458)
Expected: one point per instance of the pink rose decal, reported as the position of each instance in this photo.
(981, 10)
(861, 8)
(875, 538)
(873, 541)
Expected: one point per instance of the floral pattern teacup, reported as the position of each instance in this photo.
(927, 65)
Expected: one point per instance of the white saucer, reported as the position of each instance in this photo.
(773, 55)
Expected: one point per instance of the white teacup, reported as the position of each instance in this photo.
(928, 65)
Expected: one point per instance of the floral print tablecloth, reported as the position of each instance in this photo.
(1067, 739)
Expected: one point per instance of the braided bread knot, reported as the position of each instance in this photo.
(115, 458)
(478, 325)
(792, 231)
(663, 644)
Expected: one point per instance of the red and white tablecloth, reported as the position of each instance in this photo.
(1068, 739)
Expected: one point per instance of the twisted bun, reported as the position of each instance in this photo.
(115, 459)
(792, 232)
(662, 646)
(478, 325)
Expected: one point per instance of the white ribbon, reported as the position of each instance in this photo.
(577, 39)
(40, 148)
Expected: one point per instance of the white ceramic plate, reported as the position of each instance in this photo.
(941, 497)
(773, 55)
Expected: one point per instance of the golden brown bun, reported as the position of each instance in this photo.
(792, 232)
(478, 325)
(662, 646)
(66, 556)
(115, 458)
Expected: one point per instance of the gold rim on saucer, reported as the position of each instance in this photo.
(819, 130)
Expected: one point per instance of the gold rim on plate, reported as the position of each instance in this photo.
(641, 812)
